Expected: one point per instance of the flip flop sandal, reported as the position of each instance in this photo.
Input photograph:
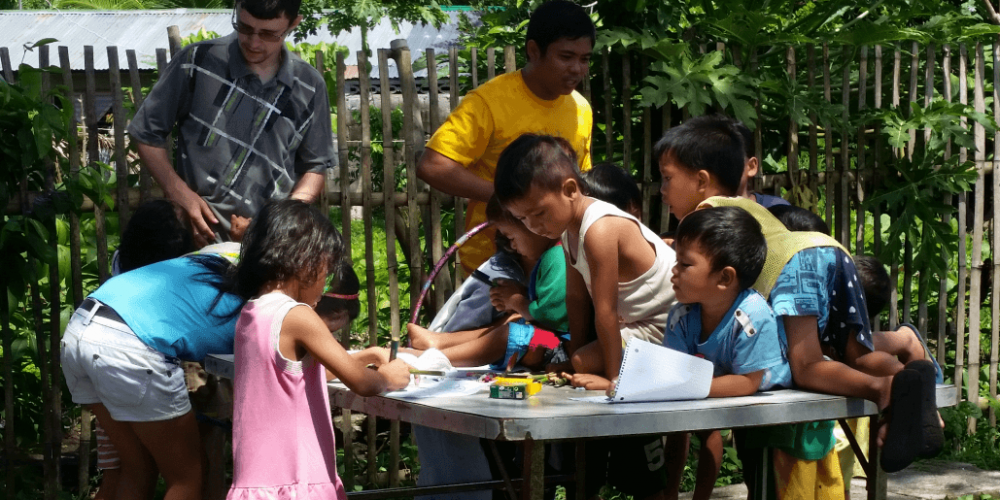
(939, 374)
(933, 435)
(903, 440)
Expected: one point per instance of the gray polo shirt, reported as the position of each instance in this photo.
(240, 142)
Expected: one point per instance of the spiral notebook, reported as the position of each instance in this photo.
(651, 372)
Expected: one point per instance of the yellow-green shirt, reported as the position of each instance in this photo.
(491, 117)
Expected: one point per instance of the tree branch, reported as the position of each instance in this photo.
(991, 13)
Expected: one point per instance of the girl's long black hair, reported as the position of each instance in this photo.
(287, 239)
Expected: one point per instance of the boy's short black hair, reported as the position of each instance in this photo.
(270, 9)
(730, 237)
(875, 282)
(611, 183)
(799, 219)
(532, 160)
(708, 142)
(288, 239)
(158, 230)
(345, 282)
(559, 19)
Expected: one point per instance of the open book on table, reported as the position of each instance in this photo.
(651, 372)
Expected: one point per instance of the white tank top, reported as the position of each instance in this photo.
(643, 303)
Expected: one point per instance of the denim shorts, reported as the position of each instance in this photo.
(104, 362)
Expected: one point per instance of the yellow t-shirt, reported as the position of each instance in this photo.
(491, 117)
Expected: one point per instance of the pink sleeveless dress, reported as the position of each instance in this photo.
(283, 444)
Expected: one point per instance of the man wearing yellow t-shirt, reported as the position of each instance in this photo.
(461, 156)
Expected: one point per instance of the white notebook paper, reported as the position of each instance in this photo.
(651, 372)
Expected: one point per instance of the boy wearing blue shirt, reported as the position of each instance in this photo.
(720, 253)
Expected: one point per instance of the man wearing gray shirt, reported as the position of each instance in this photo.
(253, 122)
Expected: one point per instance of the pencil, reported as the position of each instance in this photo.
(414, 371)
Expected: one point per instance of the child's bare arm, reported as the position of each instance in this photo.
(303, 331)
(601, 247)
(578, 301)
(731, 385)
(811, 372)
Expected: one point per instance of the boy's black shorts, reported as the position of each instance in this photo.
(633, 465)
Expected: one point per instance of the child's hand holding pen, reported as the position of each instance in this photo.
(396, 373)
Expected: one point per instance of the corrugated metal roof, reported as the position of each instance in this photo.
(146, 31)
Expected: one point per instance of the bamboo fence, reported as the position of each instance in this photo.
(847, 178)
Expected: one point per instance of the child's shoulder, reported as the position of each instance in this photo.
(753, 313)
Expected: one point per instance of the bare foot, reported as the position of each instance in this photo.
(422, 338)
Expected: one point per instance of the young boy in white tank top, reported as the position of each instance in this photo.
(609, 270)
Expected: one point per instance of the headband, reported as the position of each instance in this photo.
(353, 296)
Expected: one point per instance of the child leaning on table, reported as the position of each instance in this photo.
(719, 317)
(283, 443)
(609, 268)
(538, 328)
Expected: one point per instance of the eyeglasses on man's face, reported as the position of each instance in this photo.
(265, 35)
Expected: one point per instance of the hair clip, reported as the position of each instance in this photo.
(352, 296)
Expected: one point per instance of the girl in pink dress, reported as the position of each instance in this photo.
(283, 444)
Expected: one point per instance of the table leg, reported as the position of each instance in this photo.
(581, 470)
(511, 494)
(878, 482)
(533, 487)
(763, 477)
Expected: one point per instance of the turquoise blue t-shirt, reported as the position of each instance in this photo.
(167, 305)
(748, 339)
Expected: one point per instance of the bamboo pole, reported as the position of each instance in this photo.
(963, 156)
(54, 383)
(346, 423)
(793, 126)
(8, 70)
(10, 421)
(910, 147)
(473, 65)
(626, 113)
(877, 209)
(609, 151)
(924, 276)
(975, 277)
(389, 182)
(647, 149)
(121, 160)
(664, 207)
(813, 122)
(145, 180)
(76, 273)
(995, 305)
(364, 80)
(859, 185)
(844, 208)
(435, 243)
(491, 63)
(410, 152)
(509, 59)
(830, 162)
(894, 260)
(453, 102)
(324, 196)
(942, 333)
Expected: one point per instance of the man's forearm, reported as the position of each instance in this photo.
(157, 162)
(309, 187)
(450, 177)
